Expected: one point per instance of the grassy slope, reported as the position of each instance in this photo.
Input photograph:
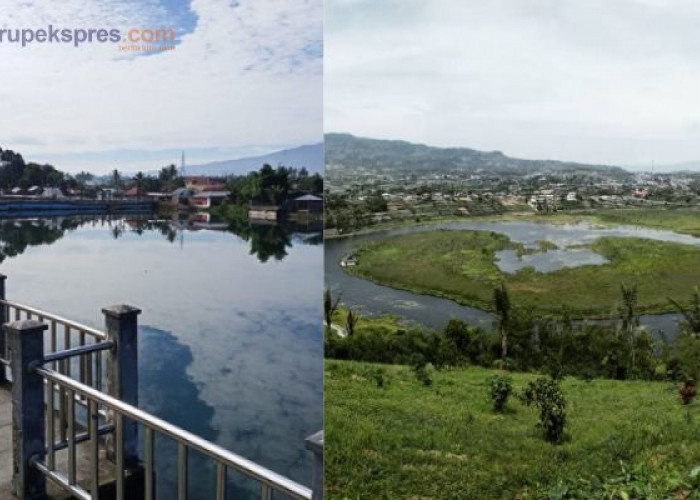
(410, 441)
(460, 265)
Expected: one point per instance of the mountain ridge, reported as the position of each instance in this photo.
(309, 156)
(353, 151)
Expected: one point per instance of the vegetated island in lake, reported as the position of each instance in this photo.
(462, 266)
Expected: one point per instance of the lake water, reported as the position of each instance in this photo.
(434, 312)
(230, 335)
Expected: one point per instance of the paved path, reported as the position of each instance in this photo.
(5, 443)
(106, 472)
(339, 330)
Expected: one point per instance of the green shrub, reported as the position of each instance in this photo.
(420, 369)
(500, 387)
(378, 375)
(546, 395)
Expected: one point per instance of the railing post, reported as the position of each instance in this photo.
(122, 373)
(3, 320)
(26, 343)
(314, 444)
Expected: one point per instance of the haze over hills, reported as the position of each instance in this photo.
(350, 151)
(310, 156)
(667, 168)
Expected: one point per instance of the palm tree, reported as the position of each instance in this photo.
(329, 306)
(629, 315)
(139, 183)
(116, 178)
(501, 302)
(351, 321)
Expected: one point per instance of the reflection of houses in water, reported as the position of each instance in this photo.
(303, 207)
(208, 199)
(262, 212)
(267, 239)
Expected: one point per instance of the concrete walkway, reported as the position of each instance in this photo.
(5, 443)
(83, 462)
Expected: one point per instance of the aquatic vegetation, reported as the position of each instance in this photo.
(462, 266)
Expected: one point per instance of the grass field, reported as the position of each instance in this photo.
(460, 265)
(680, 221)
(406, 440)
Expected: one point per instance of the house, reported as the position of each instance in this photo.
(208, 199)
(108, 194)
(571, 196)
(162, 197)
(181, 195)
(202, 184)
(307, 203)
(135, 192)
(53, 193)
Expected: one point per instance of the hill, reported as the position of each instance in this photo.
(624, 439)
(310, 156)
(347, 150)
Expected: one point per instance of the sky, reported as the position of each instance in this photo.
(245, 78)
(596, 81)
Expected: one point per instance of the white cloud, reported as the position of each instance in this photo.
(609, 81)
(247, 75)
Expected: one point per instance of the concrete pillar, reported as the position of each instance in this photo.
(314, 444)
(122, 372)
(26, 343)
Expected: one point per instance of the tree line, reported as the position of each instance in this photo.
(521, 340)
(15, 172)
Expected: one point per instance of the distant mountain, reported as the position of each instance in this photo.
(351, 151)
(310, 157)
(665, 168)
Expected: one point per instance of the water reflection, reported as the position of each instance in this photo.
(267, 241)
(18, 235)
(231, 346)
(163, 385)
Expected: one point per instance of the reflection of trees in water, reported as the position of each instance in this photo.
(266, 241)
(17, 235)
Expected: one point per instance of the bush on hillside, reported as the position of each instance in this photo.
(546, 395)
(500, 387)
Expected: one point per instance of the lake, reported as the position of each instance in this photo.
(230, 334)
(434, 312)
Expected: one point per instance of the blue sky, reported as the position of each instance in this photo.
(245, 78)
(600, 81)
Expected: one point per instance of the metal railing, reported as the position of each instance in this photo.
(62, 334)
(57, 366)
(186, 441)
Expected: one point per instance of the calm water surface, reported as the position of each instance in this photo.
(230, 341)
(434, 312)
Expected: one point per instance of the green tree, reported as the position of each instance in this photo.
(351, 321)
(330, 305)
(116, 181)
(501, 302)
(691, 314)
(629, 317)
